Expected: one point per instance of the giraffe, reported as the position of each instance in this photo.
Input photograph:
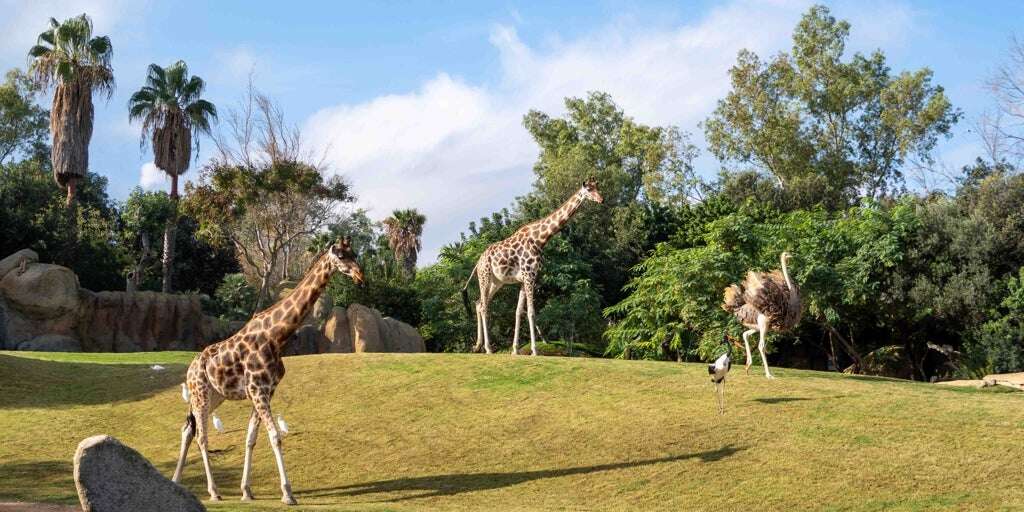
(516, 259)
(248, 366)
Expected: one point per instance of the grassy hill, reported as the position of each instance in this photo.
(474, 432)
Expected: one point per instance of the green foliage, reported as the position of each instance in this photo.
(823, 128)
(23, 124)
(235, 298)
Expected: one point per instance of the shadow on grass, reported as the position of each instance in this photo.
(54, 384)
(781, 399)
(50, 481)
(458, 483)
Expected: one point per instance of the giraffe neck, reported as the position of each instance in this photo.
(553, 223)
(285, 316)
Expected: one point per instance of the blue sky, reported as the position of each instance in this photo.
(418, 104)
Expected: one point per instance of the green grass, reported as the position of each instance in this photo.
(474, 432)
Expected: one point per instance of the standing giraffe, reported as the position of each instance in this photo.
(516, 259)
(248, 366)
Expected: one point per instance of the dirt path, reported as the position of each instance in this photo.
(36, 507)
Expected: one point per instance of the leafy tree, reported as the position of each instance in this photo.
(173, 115)
(23, 124)
(825, 129)
(404, 229)
(68, 58)
(263, 197)
(33, 214)
(143, 217)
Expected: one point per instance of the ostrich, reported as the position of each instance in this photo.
(765, 300)
(718, 370)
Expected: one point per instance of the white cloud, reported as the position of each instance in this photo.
(24, 20)
(152, 178)
(457, 150)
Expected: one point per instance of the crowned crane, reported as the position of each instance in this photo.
(718, 370)
(764, 301)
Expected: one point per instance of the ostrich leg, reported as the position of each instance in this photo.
(746, 343)
(762, 326)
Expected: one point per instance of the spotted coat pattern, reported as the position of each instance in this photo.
(248, 366)
(517, 259)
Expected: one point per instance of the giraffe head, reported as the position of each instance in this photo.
(589, 190)
(344, 260)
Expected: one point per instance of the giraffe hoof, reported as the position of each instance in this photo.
(247, 495)
(288, 500)
(215, 497)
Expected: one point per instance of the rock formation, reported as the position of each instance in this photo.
(113, 477)
(42, 307)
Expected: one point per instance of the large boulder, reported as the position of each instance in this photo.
(364, 323)
(15, 261)
(401, 337)
(337, 332)
(306, 340)
(113, 477)
(43, 291)
(41, 300)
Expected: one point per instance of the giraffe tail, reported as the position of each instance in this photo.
(465, 293)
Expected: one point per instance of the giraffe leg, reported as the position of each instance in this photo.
(261, 403)
(250, 442)
(528, 289)
(188, 433)
(746, 343)
(519, 316)
(762, 325)
(202, 422)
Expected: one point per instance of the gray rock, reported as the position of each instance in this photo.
(43, 291)
(337, 332)
(52, 343)
(113, 477)
(365, 325)
(306, 340)
(399, 336)
(14, 261)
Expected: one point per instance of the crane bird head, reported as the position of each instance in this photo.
(344, 260)
(718, 370)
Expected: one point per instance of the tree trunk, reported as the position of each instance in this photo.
(170, 234)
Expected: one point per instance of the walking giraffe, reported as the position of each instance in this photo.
(248, 366)
(516, 259)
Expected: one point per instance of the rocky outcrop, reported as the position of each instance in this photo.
(337, 332)
(43, 308)
(112, 477)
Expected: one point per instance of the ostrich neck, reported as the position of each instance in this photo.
(785, 273)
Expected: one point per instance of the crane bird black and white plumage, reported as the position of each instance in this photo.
(764, 301)
(718, 370)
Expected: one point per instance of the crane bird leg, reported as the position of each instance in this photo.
(720, 396)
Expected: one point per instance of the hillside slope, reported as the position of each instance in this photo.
(474, 432)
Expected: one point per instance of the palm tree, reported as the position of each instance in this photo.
(172, 115)
(404, 229)
(69, 58)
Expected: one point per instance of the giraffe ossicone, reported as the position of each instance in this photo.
(517, 259)
(248, 366)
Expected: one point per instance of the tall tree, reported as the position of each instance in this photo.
(825, 129)
(264, 195)
(67, 57)
(173, 115)
(404, 229)
(23, 124)
(1002, 131)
